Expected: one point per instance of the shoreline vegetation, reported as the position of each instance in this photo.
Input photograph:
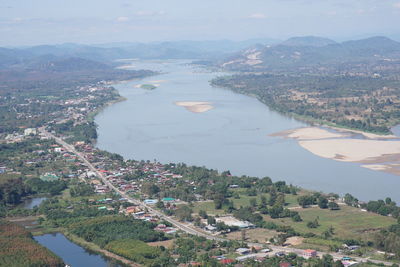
(299, 105)
(91, 247)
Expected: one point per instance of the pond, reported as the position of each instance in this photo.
(71, 253)
(30, 203)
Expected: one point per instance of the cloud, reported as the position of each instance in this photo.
(396, 5)
(122, 19)
(144, 13)
(257, 16)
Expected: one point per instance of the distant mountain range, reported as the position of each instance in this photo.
(256, 54)
(298, 52)
(308, 41)
(54, 56)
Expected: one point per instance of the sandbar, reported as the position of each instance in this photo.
(309, 133)
(351, 150)
(374, 152)
(125, 67)
(195, 107)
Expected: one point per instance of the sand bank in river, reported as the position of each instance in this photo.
(352, 150)
(374, 151)
(196, 107)
(309, 133)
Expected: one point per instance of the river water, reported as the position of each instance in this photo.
(232, 136)
(71, 253)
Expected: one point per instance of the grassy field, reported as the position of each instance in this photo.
(348, 222)
(244, 200)
(253, 235)
(207, 206)
(135, 250)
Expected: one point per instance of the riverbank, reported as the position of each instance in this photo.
(314, 105)
(232, 137)
(93, 114)
(95, 248)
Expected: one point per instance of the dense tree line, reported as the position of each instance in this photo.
(12, 191)
(103, 230)
(46, 187)
(17, 248)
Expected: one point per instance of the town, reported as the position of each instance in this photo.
(248, 220)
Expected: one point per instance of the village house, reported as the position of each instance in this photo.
(309, 253)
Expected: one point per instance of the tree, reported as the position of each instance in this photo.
(263, 203)
(296, 217)
(280, 200)
(197, 221)
(350, 200)
(305, 201)
(211, 220)
(160, 204)
(326, 234)
(313, 224)
(253, 202)
(272, 196)
(333, 206)
(322, 202)
(184, 213)
(150, 189)
(203, 214)
(243, 235)
(327, 260)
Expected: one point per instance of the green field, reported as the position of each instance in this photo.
(348, 222)
(244, 200)
(135, 250)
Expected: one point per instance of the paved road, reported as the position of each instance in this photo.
(177, 224)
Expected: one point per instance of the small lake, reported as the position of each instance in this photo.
(234, 135)
(30, 203)
(71, 253)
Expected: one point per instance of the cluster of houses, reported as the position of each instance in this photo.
(16, 137)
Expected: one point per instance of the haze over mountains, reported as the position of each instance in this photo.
(18, 57)
(314, 51)
(256, 54)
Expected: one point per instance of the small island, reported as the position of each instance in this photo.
(148, 86)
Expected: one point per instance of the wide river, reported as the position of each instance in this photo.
(232, 136)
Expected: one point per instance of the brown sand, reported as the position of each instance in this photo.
(195, 107)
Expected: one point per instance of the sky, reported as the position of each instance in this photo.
(33, 22)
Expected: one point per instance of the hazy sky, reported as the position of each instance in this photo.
(28, 22)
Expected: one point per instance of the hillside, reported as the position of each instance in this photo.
(107, 53)
(354, 84)
(308, 41)
(313, 54)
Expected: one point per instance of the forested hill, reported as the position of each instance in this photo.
(113, 51)
(354, 84)
(314, 54)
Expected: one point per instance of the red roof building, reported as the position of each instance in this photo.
(226, 261)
